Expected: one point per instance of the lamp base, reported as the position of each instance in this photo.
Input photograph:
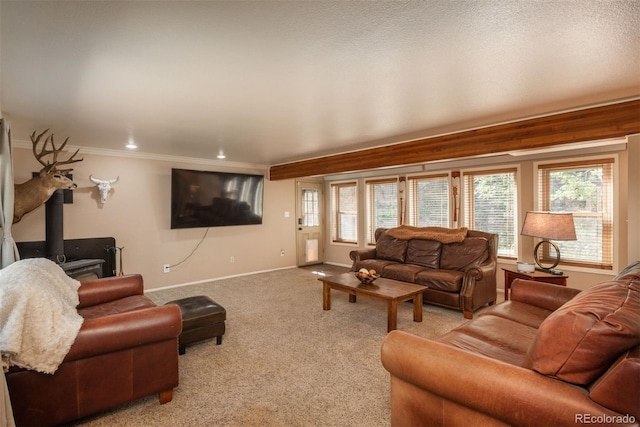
(549, 269)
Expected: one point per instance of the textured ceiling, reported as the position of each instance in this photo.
(271, 82)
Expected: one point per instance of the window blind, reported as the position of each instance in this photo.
(490, 205)
(382, 205)
(310, 208)
(428, 200)
(344, 205)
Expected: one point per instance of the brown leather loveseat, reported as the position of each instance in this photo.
(456, 266)
(127, 348)
(551, 356)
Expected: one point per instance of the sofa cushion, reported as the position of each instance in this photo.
(390, 248)
(443, 280)
(516, 311)
(581, 339)
(424, 252)
(618, 388)
(459, 256)
(373, 264)
(122, 305)
(402, 272)
(494, 337)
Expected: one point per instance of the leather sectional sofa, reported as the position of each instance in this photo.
(456, 266)
(551, 356)
(127, 348)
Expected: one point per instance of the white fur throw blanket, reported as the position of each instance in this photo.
(38, 317)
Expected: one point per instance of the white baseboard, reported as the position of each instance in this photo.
(215, 279)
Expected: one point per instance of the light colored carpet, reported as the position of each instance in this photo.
(283, 360)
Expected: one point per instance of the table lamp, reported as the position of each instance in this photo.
(549, 226)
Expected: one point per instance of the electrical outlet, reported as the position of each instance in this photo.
(233, 259)
(166, 268)
(281, 252)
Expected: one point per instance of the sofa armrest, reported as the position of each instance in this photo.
(106, 289)
(362, 254)
(484, 272)
(126, 330)
(478, 287)
(540, 294)
(436, 384)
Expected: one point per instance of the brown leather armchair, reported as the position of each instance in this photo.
(127, 348)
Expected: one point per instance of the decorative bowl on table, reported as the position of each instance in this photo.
(366, 276)
(525, 267)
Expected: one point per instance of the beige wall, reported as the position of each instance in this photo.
(625, 222)
(137, 215)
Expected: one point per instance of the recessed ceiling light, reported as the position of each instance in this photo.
(131, 145)
(221, 155)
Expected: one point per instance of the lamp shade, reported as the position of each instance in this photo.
(549, 226)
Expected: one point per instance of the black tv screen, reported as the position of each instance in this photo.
(215, 199)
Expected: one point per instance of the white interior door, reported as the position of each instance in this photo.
(309, 223)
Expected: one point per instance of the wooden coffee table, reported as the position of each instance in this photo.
(386, 290)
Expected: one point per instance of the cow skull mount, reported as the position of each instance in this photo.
(104, 187)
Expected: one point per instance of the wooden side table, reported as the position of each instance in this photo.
(538, 276)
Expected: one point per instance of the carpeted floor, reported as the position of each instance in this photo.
(283, 360)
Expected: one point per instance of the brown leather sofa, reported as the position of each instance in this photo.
(460, 275)
(127, 348)
(551, 356)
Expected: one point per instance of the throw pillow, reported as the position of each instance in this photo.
(424, 252)
(390, 248)
(459, 256)
(580, 340)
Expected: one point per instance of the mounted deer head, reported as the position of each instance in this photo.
(35, 192)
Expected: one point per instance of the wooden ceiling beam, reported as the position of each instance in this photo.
(608, 121)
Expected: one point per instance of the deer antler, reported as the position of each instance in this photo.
(55, 151)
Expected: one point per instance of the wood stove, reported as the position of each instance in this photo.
(79, 258)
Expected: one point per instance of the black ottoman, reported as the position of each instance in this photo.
(202, 318)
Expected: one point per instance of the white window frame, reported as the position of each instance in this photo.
(371, 224)
(585, 266)
(410, 216)
(335, 229)
(310, 208)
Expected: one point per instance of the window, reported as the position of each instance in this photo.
(584, 188)
(382, 205)
(490, 205)
(344, 208)
(310, 208)
(428, 200)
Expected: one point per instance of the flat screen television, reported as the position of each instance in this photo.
(215, 199)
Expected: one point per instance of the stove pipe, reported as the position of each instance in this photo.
(54, 233)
